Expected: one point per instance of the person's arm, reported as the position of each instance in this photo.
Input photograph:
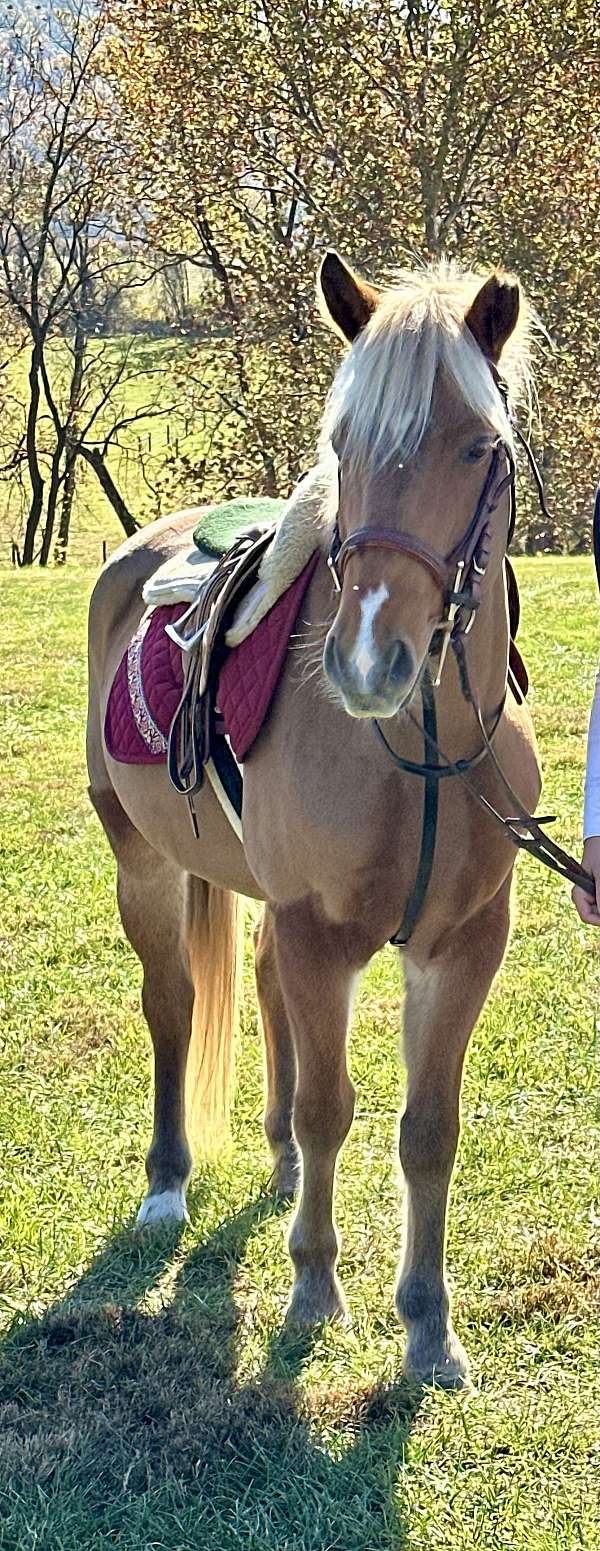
(589, 909)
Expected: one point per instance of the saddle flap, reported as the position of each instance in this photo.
(232, 577)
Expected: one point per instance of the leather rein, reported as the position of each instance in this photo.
(459, 576)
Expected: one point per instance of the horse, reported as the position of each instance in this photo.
(417, 424)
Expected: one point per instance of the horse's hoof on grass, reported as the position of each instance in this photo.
(166, 1209)
(446, 1369)
(317, 1299)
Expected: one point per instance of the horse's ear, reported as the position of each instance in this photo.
(493, 315)
(347, 301)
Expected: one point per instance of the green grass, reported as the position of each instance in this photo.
(149, 1398)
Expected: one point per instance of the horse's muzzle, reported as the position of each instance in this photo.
(383, 689)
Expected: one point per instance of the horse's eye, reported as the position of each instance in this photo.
(476, 453)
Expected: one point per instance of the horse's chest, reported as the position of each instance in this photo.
(323, 828)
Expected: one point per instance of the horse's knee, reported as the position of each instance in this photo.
(428, 1141)
(323, 1118)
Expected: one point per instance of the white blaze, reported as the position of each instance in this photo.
(365, 654)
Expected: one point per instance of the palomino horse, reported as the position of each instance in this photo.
(415, 428)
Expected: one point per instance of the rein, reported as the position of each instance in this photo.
(459, 576)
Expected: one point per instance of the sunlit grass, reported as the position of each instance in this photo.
(148, 1398)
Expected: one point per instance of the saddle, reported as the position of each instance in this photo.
(228, 691)
(200, 632)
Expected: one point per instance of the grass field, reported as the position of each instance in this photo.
(149, 1396)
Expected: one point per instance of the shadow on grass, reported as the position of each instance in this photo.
(121, 1426)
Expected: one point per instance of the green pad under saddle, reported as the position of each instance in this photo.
(219, 528)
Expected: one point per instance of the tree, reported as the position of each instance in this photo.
(72, 243)
(391, 131)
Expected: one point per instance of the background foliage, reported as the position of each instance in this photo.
(230, 145)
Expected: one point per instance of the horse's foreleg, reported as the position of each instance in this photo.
(317, 987)
(280, 1060)
(443, 1000)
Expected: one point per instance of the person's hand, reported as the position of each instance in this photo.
(586, 907)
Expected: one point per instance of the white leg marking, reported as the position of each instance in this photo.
(365, 653)
(166, 1207)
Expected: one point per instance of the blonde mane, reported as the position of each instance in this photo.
(383, 390)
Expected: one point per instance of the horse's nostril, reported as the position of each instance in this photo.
(330, 658)
(400, 663)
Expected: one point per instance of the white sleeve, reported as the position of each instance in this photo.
(591, 806)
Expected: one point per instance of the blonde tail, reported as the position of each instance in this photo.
(215, 923)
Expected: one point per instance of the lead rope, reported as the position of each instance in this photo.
(534, 839)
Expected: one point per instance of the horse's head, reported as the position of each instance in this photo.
(420, 429)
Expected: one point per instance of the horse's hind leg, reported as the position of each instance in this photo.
(280, 1060)
(443, 1000)
(152, 895)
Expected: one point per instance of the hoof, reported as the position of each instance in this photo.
(434, 1354)
(315, 1299)
(167, 1209)
(445, 1366)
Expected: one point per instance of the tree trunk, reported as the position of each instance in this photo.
(53, 490)
(35, 477)
(72, 429)
(64, 527)
(269, 483)
(93, 456)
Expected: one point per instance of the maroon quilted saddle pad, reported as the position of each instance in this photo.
(148, 683)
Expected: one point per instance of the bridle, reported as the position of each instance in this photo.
(459, 576)
(460, 573)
